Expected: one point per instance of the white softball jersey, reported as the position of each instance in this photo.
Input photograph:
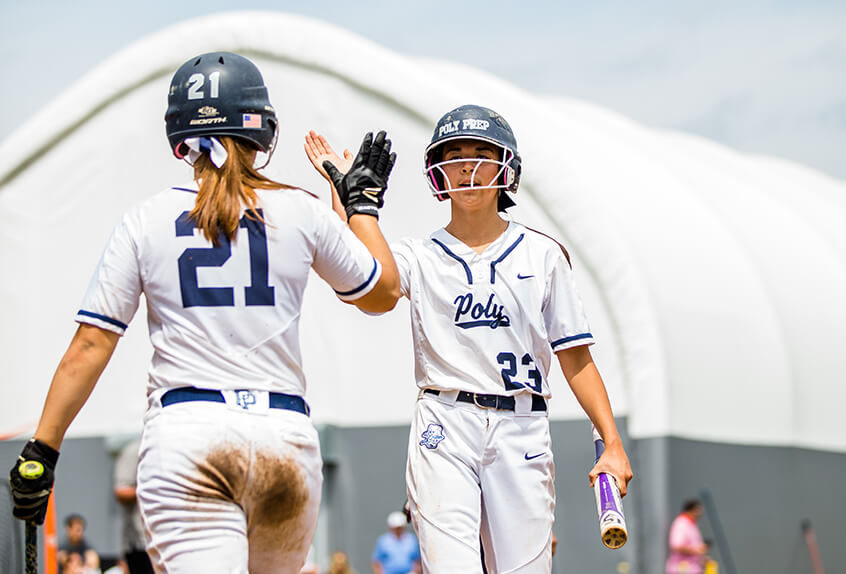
(226, 316)
(490, 322)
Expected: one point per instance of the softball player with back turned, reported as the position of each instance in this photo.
(229, 478)
(491, 302)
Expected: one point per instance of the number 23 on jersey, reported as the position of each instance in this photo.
(524, 368)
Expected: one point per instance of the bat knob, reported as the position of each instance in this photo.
(31, 470)
(614, 538)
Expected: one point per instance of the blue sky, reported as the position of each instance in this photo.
(762, 76)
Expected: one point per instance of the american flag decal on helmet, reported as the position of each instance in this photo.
(251, 121)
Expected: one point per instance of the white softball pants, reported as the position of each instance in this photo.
(480, 473)
(228, 490)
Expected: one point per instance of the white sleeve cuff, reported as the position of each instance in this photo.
(101, 321)
(365, 287)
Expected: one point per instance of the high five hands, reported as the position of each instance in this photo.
(362, 188)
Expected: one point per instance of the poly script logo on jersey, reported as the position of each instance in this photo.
(468, 124)
(469, 314)
(432, 436)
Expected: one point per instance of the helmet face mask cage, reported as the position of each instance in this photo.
(221, 94)
(440, 184)
(474, 123)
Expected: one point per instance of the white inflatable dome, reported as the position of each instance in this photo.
(713, 280)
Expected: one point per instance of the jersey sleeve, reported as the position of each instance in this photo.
(113, 293)
(403, 256)
(341, 259)
(563, 312)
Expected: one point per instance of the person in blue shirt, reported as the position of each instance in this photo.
(396, 551)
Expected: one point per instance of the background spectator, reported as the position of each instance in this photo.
(340, 564)
(396, 551)
(687, 549)
(75, 544)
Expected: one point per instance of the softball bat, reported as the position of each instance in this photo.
(609, 507)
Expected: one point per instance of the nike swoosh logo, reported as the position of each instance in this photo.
(533, 456)
(524, 276)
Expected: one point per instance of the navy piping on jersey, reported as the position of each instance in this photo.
(108, 320)
(571, 338)
(363, 285)
(503, 256)
(185, 189)
(457, 258)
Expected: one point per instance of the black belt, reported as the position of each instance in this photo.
(492, 401)
(277, 400)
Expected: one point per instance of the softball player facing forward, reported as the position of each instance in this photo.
(229, 478)
(491, 302)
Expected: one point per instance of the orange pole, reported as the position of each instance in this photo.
(813, 548)
(51, 543)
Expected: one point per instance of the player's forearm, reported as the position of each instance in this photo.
(693, 549)
(337, 206)
(587, 386)
(385, 294)
(583, 378)
(77, 373)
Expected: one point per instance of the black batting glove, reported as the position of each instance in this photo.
(32, 481)
(362, 189)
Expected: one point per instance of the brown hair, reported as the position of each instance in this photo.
(223, 191)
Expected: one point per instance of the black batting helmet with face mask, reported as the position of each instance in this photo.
(219, 94)
(477, 123)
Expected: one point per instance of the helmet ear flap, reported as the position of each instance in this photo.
(180, 150)
(513, 169)
(511, 181)
(513, 172)
(274, 126)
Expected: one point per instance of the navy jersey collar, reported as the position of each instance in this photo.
(492, 252)
(496, 252)
(191, 187)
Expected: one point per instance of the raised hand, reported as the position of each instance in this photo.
(318, 150)
(363, 187)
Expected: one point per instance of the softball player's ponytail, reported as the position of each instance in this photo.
(224, 190)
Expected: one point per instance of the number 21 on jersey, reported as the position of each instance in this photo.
(259, 292)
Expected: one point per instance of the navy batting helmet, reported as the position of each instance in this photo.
(474, 122)
(219, 94)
